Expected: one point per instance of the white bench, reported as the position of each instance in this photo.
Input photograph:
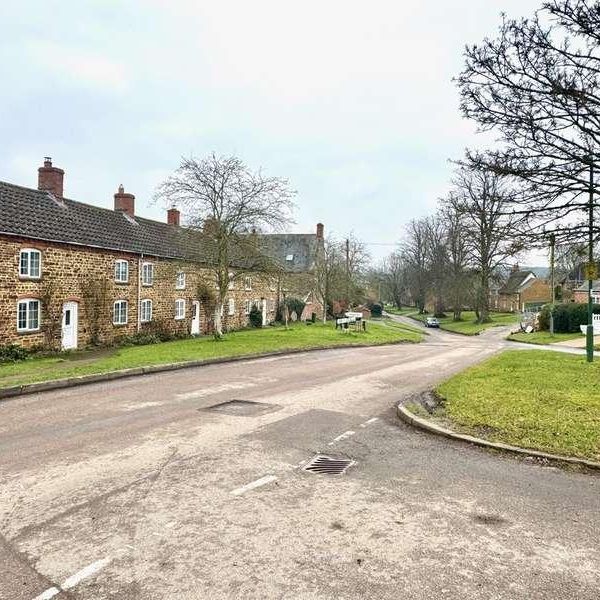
(595, 322)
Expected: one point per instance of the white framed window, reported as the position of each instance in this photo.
(231, 284)
(595, 298)
(231, 307)
(289, 258)
(30, 263)
(180, 281)
(120, 309)
(146, 311)
(28, 315)
(248, 283)
(179, 309)
(121, 271)
(248, 306)
(147, 273)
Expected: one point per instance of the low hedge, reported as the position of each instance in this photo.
(567, 317)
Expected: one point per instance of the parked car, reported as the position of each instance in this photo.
(432, 322)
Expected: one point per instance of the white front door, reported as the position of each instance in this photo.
(69, 325)
(264, 311)
(195, 318)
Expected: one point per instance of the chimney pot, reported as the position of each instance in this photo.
(320, 231)
(51, 178)
(124, 202)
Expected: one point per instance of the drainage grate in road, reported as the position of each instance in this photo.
(242, 408)
(328, 465)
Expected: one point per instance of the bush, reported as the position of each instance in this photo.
(376, 310)
(255, 317)
(11, 353)
(295, 305)
(567, 317)
(140, 339)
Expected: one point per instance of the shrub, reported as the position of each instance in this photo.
(255, 316)
(567, 317)
(11, 353)
(295, 305)
(376, 310)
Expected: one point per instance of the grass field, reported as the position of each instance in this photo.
(240, 343)
(400, 311)
(530, 398)
(468, 326)
(543, 337)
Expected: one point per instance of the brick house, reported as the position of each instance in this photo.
(581, 293)
(73, 274)
(523, 291)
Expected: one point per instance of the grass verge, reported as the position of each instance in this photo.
(543, 337)
(239, 343)
(467, 325)
(530, 398)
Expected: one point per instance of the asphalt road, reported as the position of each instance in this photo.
(136, 489)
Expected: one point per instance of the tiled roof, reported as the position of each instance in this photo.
(514, 282)
(38, 215)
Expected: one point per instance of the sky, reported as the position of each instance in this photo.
(353, 102)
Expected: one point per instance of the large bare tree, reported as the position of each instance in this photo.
(229, 203)
(536, 86)
(414, 250)
(484, 200)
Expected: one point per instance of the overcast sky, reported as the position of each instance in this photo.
(352, 101)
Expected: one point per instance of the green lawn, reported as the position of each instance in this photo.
(239, 343)
(543, 337)
(400, 311)
(467, 325)
(536, 399)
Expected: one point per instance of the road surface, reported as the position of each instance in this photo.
(138, 489)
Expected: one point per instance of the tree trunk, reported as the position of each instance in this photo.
(218, 321)
(484, 301)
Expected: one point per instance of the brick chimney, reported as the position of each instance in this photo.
(51, 178)
(320, 231)
(173, 216)
(125, 202)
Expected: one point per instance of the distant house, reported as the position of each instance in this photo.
(580, 294)
(523, 291)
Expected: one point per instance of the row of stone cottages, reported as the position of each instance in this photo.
(72, 274)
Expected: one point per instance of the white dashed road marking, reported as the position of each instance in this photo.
(49, 593)
(85, 572)
(255, 484)
(75, 579)
(343, 436)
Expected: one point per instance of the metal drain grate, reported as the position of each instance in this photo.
(328, 465)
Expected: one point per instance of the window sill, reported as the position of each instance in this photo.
(119, 324)
(179, 318)
(28, 331)
(27, 278)
(121, 282)
(147, 284)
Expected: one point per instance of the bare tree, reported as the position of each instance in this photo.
(394, 278)
(536, 85)
(459, 281)
(414, 255)
(229, 203)
(437, 261)
(483, 201)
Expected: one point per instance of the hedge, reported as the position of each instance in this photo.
(567, 317)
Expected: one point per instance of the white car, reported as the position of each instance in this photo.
(432, 322)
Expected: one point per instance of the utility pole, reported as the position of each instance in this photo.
(348, 272)
(589, 339)
(552, 244)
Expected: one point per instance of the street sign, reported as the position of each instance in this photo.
(590, 271)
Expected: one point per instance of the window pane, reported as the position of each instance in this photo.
(24, 266)
(34, 310)
(34, 264)
(22, 316)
